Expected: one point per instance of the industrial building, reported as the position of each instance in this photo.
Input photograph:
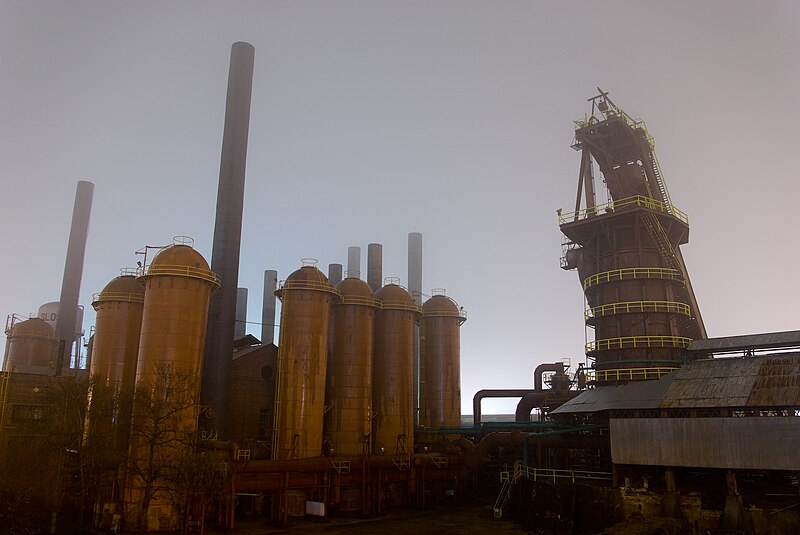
(356, 409)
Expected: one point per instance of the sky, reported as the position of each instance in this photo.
(373, 119)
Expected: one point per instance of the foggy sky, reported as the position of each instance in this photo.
(371, 120)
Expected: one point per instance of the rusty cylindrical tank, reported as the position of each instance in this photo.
(440, 366)
(350, 376)
(118, 324)
(393, 372)
(178, 285)
(32, 346)
(306, 300)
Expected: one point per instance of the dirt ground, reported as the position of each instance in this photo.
(463, 519)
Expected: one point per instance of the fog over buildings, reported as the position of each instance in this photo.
(373, 120)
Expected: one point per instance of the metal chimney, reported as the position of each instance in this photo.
(216, 387)
(334, 274)
(73, 271)
(353, 262)
(375, 266)
(268, 307)
(240, 329)
(415, 266)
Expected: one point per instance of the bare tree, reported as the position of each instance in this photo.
(163, 428)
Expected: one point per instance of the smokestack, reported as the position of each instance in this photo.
(375, 266)
(334, 274)
(215, 392)
(240, 329)
(353, 262)
(415, 289)
(268, 308)
(73, 271)
(415, 266)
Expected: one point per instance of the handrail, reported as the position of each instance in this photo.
(632, 273)
(461, 314)
(359, 300)
(319, 286)
(401, 305)
(551, 474)
(612, 206)
(632, 342)
(626, 307)
(627, 374)
(126, 297)
(183, 271)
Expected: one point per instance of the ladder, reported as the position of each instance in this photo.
(660, 238)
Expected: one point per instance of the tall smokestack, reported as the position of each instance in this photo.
(215, 392)
(268, 307)
(415, 289)
(73, 271)
(240, 328)
(334, 274)
(353, 262)
(375, 266)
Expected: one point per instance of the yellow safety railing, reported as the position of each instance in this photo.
(627, 307)
(401, 305)
(628, 202)
(550, 474)
(627, 374)
(359, 300)
(632, 273)
(319, 286)
(461, 314)
(633, 342)
(184, 271)
(118, 297)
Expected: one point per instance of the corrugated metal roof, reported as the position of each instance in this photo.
(777, 383)
(757, 382)
(712, 383)
(748, 341)
(636, 395)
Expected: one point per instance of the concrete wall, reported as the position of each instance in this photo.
(748, 443)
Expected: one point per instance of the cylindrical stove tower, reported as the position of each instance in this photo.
(393, 371)
(118, 324)
(178, 285)
(350, 377)
(32, 347)
(306, 300)
(440, 362)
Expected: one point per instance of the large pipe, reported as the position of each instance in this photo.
(375, 266)
(73, 271)
(334, 274)
(215, 392)
(415, 289)
(353, 262)
(494, 393)
(556, 367)
(240, 329)
(268, 307)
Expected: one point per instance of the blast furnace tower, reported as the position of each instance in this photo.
(639, 298)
